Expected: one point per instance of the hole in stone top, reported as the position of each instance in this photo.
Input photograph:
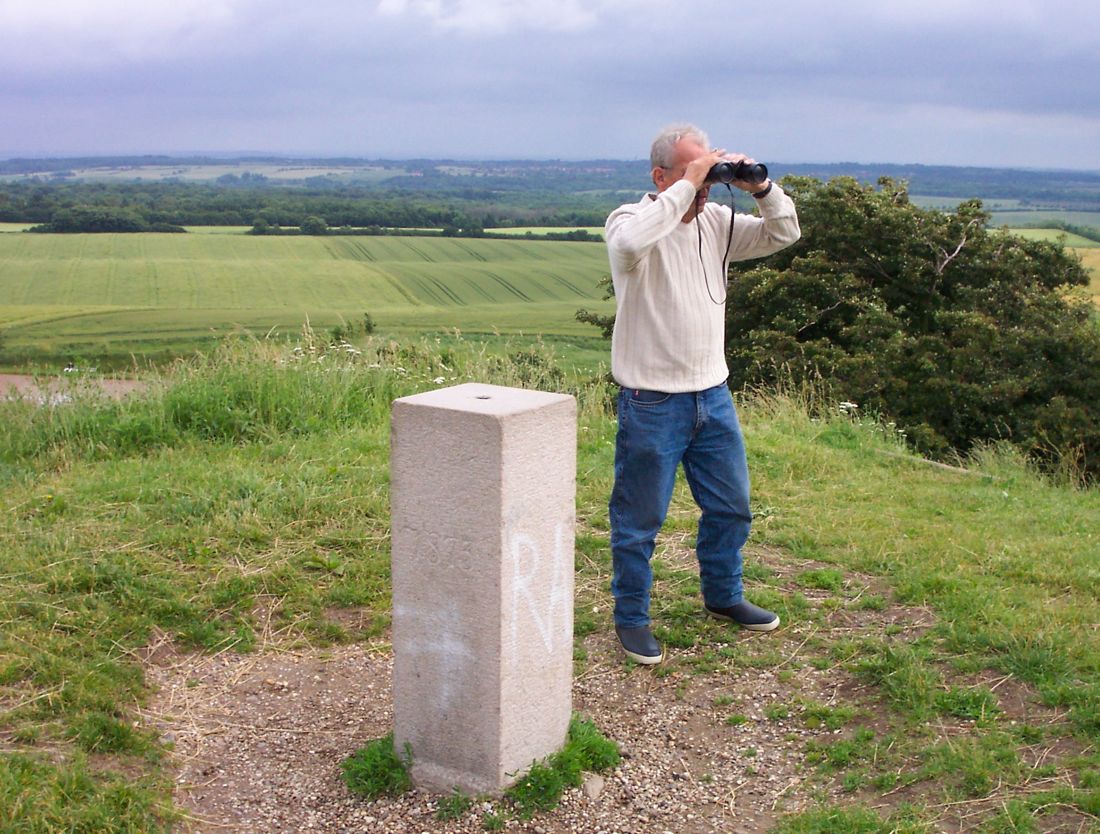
(483, 397)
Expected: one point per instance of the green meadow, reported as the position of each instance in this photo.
(1091, 259)
(541, 230)
(1037, 218)
(1058, 236)
(952, 610)
(105, 297)
(954, 607)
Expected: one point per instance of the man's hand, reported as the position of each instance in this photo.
(698, 168)
(751, 187)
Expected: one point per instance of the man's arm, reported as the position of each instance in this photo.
(631, 231)
(776, 228)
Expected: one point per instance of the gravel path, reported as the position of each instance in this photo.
(258, 739)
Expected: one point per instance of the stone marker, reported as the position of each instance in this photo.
(483, 483)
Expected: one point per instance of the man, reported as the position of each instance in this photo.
(669, 256)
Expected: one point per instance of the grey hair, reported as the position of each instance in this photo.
(664, 146)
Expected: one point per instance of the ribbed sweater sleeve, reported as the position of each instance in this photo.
(669, 279)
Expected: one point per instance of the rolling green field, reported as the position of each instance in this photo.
(950, 202)
(107, 296)
(1057, 235)
(1091, 259)
(1036, 219)
(542, 230)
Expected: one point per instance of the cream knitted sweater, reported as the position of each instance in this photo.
(669, 332)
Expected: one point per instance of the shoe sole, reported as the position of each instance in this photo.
(645, 660)
(770, 626)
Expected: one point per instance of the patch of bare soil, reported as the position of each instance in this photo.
(55, 390)
(259, 739)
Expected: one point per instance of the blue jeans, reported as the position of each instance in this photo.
(657, 432)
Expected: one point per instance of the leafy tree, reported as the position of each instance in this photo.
(96, 219)
(85, 219)
(957, 333)
(314, 225)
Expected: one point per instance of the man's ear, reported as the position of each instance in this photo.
(658, 175)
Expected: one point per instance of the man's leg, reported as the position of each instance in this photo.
(717, 472)
(654, 429)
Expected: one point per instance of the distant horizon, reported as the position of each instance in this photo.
(257, 155)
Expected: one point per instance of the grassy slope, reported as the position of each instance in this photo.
(1040, 217)
(1091, 259)
(111, 295)
(242, 485)
(1057, 236)
(104, 298)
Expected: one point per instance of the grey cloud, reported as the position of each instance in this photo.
(283, 76)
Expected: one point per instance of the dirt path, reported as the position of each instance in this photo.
(707, 745)
(55, 389)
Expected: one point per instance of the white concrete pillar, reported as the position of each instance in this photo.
(483, 484)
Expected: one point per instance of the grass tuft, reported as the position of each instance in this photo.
(377, 770)
(853, 820)
(540, 789)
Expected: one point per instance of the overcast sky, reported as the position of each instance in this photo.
(966, 82)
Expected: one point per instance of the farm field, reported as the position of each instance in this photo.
(1055, 235)
(1015, 219)
(182, 172)
(1091, 259)
(542, 230)
(949, 202)
(107, 296)
(217, 230)
(105, 299)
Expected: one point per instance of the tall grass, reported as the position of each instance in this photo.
(253, 390)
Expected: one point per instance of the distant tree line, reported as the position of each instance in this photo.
(459, 195)
(184, 204)
(314, 225)
(494, 181)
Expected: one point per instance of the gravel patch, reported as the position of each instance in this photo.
(258, 741)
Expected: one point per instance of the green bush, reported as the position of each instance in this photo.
(960, 334)
(92, 219)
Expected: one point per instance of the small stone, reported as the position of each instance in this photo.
(593, 786)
